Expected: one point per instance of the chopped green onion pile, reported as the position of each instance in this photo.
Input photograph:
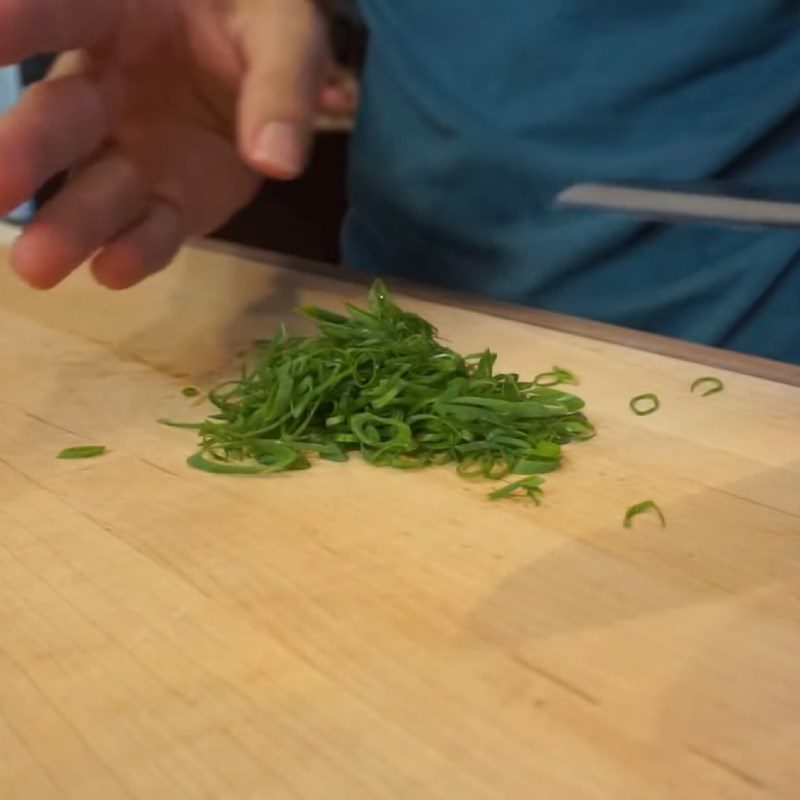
(379, 382)
(715, 385)
(86, 451)
(645, 404)
(641, 508)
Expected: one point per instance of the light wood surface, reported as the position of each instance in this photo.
(351, 633)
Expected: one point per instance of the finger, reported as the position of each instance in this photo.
(196, 171)
(101, 200)
(31, 27)
(142, 250)
(338, 101)
(55, 125)
(339, 93)
(52, 26)
(285, 46)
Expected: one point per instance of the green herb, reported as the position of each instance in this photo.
(89, 451)
(645, 404)
(378, 382)
(277, 458)
(529, 486)
(715, 383)
(556, 376)
(190, 391)
(187, 426)
(641, 508)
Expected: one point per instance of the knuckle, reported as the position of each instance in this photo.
(124, 173)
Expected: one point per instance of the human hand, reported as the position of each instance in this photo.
(166, 114)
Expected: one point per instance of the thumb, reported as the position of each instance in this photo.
(285, 47)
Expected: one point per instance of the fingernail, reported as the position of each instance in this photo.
(279, 147)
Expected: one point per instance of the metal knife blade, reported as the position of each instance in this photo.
(715, 203)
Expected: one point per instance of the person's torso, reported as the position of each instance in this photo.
(476, 114)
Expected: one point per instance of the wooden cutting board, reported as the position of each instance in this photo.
(351, 633)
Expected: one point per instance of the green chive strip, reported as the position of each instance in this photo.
(555, 377)
(641, 508)
(87, 451)
(378, 382)
(715, 383)
(529, 486)
(645, 404)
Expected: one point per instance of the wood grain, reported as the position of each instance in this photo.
(357, 633)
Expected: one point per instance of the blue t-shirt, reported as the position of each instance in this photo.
(475, 114)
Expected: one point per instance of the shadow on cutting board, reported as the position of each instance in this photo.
(612, 574)
(727, 690)
(733, 719)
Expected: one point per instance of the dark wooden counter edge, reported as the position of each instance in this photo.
(648, 342)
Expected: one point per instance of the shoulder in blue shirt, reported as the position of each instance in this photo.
(475, 115)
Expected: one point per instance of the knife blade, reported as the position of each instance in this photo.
(709, 202)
